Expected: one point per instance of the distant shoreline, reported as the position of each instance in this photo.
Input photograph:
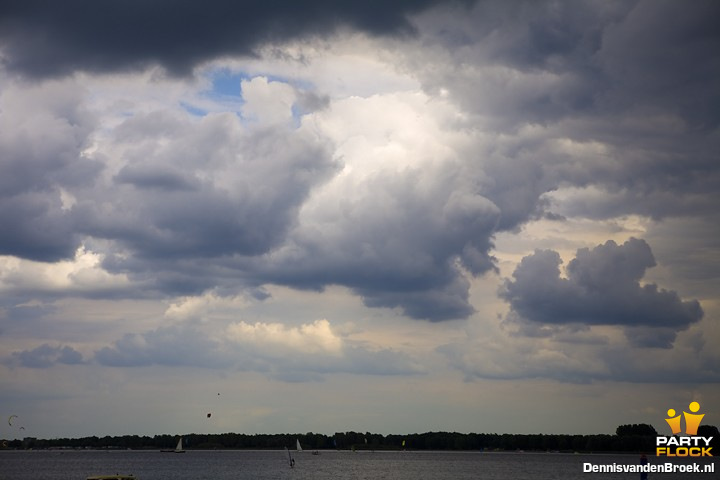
(429, 441)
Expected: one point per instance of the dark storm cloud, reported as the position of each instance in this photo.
(602, 288)
(532, 62)
(662, 47)
(638, 78)
(545, 61)
(42, 39)
(657, 110)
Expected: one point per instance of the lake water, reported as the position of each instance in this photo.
(336, 465)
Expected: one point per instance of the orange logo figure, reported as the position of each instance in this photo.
(673, 421)
(692, 421)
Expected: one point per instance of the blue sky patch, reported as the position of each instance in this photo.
(193, 110)
(226, 83)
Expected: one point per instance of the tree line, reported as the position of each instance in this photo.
(627, 438)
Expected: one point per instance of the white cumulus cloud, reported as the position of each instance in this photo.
(312, 338)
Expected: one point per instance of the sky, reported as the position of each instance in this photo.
(388, 217)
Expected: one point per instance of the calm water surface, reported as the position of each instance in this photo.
(235, 465)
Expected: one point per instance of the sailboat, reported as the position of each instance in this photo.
(299, 448)
(178, 448)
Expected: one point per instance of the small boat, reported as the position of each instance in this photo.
(112, 477)
(299, 448)
(178, 448)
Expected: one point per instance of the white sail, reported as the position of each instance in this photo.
(178, 448)
(299, 448)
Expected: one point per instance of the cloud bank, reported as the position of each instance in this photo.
(303, 353)
(228, 147)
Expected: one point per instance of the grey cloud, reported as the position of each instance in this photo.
(624, 365)
(214, 202)
(576, 58)
(660, 48)
(46, 356)
(170, 346)
(514, 364)
(586, 363)
(395, 244)
(606, 171)
(573, 333)
(660, 337)
(445, 301)
(43, 131)
(69, 356)
(210, 204)
(35, 227)
(201, 190)
(354, 360)
(602, 288)
(188, 346)
(55, 109)
(637, 78)
(360, 360)
(41, 39)
(149, 177)
(519, 62)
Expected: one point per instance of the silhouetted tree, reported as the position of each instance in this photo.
(642, 429)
